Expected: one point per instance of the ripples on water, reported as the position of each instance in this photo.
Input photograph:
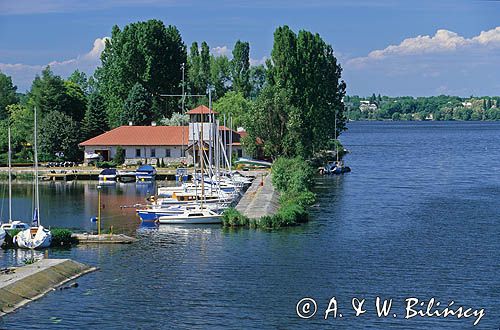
(418, 216)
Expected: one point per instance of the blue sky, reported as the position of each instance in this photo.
(390, 47)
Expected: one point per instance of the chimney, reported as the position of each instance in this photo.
(153, 123)
(130, 123)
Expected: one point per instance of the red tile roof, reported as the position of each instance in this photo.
(201, 110)
(141, 136)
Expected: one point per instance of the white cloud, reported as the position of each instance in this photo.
(221, 51)
(23, 74)
(258, 61)
(443, 41)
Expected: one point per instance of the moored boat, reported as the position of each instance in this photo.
(193, 216)
(36, 236)
(108, 175)
(145, 173)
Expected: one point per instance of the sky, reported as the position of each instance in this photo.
(391, 47)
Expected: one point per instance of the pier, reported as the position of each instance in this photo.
(260, 199)
(103, 239)
(21, 285)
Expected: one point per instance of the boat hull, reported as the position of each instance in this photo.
(191, 220)
(25, 240)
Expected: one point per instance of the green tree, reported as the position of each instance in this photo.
(233, 104)
(177, 119)
(137, 107)
(94, 122)
(241, 68)
(7, 94)
(119, 157)
(75, 101)
(257, 80)
(294, 113)
(59, 137)
(21, 123)
(80, 78)
(147, 53)
(220, 75)
(50, 92)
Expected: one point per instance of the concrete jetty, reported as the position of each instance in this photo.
(21, 285)
(86, 238)
(260, 199)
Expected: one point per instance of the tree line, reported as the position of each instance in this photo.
(287, 105)
(440, 107)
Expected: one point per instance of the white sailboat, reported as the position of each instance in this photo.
(11, 225)
(199, 214)
(36, 236)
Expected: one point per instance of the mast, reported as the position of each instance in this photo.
(231, 145)
(201, 156)
(10, 178)
(37, 196)
(183, 152)
(336, 146)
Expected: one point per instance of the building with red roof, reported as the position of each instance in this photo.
(152, 143)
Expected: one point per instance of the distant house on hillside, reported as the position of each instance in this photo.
(367, 106)
(170, 143)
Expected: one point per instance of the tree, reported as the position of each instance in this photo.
(20, 119)
(51, 93)
(147, 53)
(240, 68)
(119, 157)
(48, 93)
(297, 109)
(235, 105)
(220, 75)
(80, 78)
(94, 122)
(177, 119)
(7, 94)
(75, 102)
(59, 137)
(257, 80)
(137, 107)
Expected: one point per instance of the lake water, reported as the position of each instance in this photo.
(418, 216)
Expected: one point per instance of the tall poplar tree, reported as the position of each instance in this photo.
(241, 67)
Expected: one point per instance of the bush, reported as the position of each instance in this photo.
(62, 237)
(119, 158)
(233, 218)
(110, 164)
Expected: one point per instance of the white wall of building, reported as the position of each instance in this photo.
(134, 154)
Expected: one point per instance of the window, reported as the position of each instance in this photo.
(183, 152)
(153, 152)
(240, 153)
(167, 152)
(137, 152)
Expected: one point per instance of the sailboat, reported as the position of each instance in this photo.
(197, 214)
(336, 167)
(11, 225)
(35, 237)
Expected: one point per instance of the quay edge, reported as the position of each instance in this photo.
(27, 283)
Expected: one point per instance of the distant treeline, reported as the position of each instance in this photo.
(440, 107)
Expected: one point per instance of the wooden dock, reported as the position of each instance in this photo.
(103, 239)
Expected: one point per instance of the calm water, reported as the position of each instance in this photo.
(417, 217)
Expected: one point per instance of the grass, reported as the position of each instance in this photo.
(293, 178)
